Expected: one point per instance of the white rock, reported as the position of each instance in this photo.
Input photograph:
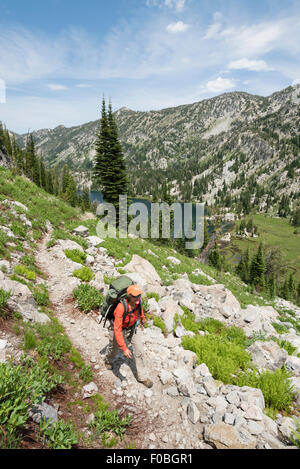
(81, 231)
(143, 267)
(93, 241)
(293, 365)
(229, 418)
(253, 413)
(174, 260)
(89, 390)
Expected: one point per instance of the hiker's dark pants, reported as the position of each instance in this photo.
(135, 340)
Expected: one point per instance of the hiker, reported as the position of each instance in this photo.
(126, 329)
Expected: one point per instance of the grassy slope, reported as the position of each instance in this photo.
(275, 232)
(43, 206)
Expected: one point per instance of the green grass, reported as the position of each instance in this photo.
(24, 271)
(275, 232)
(106, 421)
(85, 274)
(21, 386)
(58, 435)
(76, 255)
(41, 205)
(222, 356)
(88, 297)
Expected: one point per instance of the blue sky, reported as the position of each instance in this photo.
(58, 57)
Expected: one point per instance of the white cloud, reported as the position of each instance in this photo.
(296, 82)
(83, 85)
(252, 65)
(218, 86)
(177, 4)
(56, 87)
(178, 27)
(213, 31)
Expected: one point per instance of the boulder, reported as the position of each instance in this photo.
(223, 300)
(81, 231)
(68, 244)
(174, 260)
(255, 319)
(171, 308)
(225, 436)
(267, 355)
(184, 381)
(153, 307)
(93, 241)
(22, 301)
(89, 390)
(43, 411)
(144, 268)
(293, 365)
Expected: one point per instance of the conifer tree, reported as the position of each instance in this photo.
(109, 171)
(258, 268)
(31, 162)
(215, 258)
(70, 195)
(205, 234)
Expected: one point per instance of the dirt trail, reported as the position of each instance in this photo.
(157, 417)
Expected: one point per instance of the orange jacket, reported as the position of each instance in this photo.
(129, 321)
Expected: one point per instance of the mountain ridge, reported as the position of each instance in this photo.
(177, 141)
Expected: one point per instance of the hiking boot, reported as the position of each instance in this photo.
(147, 382)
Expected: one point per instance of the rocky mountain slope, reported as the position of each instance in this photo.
(211, 141)
(187, 407)
(4, 158)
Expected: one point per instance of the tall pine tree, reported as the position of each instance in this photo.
(109, 171)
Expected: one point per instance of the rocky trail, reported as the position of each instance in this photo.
(186, 408)
(157, 422)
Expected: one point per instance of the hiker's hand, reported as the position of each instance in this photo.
(127, 353)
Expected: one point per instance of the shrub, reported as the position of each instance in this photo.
(76, 255)
(86, 374)
(53, 341)
(23, 270)
(59, 435)
(222, 356)
(40, 294)
(158, 322)
(153, 295)
(85, 274)
(88, 297)
(109, 421)
(30, 341)
(21, 387)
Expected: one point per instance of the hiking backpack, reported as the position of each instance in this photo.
(117, 293)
